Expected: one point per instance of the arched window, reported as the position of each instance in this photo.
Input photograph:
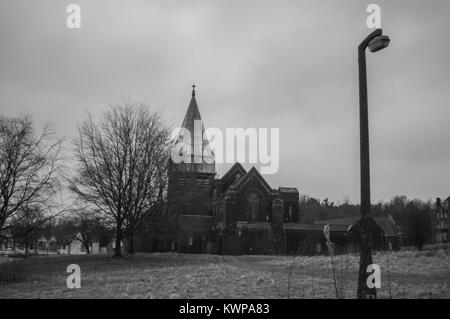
(253, 206)
(288, 215)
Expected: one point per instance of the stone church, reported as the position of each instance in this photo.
(238, 213)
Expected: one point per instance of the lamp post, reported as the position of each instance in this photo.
(376, 41)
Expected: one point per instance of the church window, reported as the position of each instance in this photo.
(253, 206)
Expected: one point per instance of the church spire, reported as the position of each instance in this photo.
(192, 114)
(193, 123)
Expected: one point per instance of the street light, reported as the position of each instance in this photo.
(376, 41)
(379, 43)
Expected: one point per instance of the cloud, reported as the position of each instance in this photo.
(286, 64)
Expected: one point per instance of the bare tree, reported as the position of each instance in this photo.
(28, 167)
(122, 163)
(83, 224)
(419, 222)
(29, 227)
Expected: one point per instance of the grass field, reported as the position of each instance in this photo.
(411, 275)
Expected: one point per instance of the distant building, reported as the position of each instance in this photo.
(384, 235)
(75, 247)
(440, 221)
(48, 246)
(6, 242)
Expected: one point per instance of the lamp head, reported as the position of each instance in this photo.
(379, 43)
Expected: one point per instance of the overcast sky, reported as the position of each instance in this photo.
(285, 64)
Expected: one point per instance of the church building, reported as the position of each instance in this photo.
(239, 213)
(236, 214)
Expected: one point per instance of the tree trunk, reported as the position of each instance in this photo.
(86, 241)
(86, 246)
(118, 248)
(131, 244)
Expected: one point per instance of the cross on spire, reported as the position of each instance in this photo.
(193, 89)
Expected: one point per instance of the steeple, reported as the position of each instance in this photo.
(193, 123)
(192, 115)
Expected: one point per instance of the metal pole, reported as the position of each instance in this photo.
(364, 134)
(364, 292)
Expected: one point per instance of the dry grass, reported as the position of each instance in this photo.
(412, 275)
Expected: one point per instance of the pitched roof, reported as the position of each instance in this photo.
(236, 167)
(386, 224)
(251, 174)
